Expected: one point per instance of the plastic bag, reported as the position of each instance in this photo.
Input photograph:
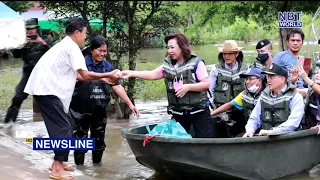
(169, 128)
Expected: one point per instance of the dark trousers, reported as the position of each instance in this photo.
(18, 98)
(224, 130)
(203, 125)
(95, 122)
(56, 120)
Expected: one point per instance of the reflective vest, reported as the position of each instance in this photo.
(191, 101)
(275, 111)
(257, 64)
(248, 102)
(229, 84)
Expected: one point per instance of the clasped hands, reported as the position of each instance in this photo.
(117, 75)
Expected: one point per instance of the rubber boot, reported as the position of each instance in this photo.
(12, 114)
(96, 156)
(79, 157)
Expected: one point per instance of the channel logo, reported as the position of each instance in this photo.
(289, 19)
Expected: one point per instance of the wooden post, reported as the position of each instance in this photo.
(36, 108)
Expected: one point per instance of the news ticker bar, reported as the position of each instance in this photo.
(62, 143)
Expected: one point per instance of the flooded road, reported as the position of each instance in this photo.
(118, 161)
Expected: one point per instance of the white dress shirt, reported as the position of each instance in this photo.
(56, 72)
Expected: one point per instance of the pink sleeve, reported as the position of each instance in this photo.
(201, 71)
(160, 70)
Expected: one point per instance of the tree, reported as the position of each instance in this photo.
(145, 19)
(19, 6)
(142, 19)
(86, 9)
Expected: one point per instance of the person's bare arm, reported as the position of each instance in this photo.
(310, 82)
(203, 85)
(222, 109)
(84, 75)
(146, 75)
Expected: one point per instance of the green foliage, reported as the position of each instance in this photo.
(150, 90)
(19, 6)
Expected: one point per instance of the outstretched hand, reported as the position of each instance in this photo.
(135, 111)
(126, 74)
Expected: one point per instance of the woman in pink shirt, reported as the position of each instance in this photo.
(187, 82)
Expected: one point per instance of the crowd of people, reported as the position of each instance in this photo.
(235, 98)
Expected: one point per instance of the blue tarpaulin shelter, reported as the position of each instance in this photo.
(12, 28)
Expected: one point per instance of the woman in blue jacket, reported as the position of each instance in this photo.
(90, 99)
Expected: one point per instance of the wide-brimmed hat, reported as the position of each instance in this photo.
(32, 23)
(230, 46)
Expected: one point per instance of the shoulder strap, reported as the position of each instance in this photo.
(197, 80)
(195, 68)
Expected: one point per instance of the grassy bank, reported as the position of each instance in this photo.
(10, 77)
(149, 90)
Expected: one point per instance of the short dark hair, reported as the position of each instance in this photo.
(97, 42)
(183, 43)
(74, 24)
(295, 31)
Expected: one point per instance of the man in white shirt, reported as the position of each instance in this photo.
(52, 83)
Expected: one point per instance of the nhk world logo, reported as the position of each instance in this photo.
(289, 19)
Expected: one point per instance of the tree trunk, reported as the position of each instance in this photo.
(283, 38)
(132, 54)
(283, 31)
(104, 18)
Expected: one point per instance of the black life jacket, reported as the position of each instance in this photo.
(90, 95)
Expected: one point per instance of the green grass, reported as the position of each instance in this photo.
(8, 82)
(11, 75)
(146, 89)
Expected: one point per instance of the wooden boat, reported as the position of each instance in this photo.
(263, 157)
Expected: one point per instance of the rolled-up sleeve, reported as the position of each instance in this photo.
(254, 121)
(297, 111)
(213, 79)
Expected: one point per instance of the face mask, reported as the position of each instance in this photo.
(263, 57)
(253, 88)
